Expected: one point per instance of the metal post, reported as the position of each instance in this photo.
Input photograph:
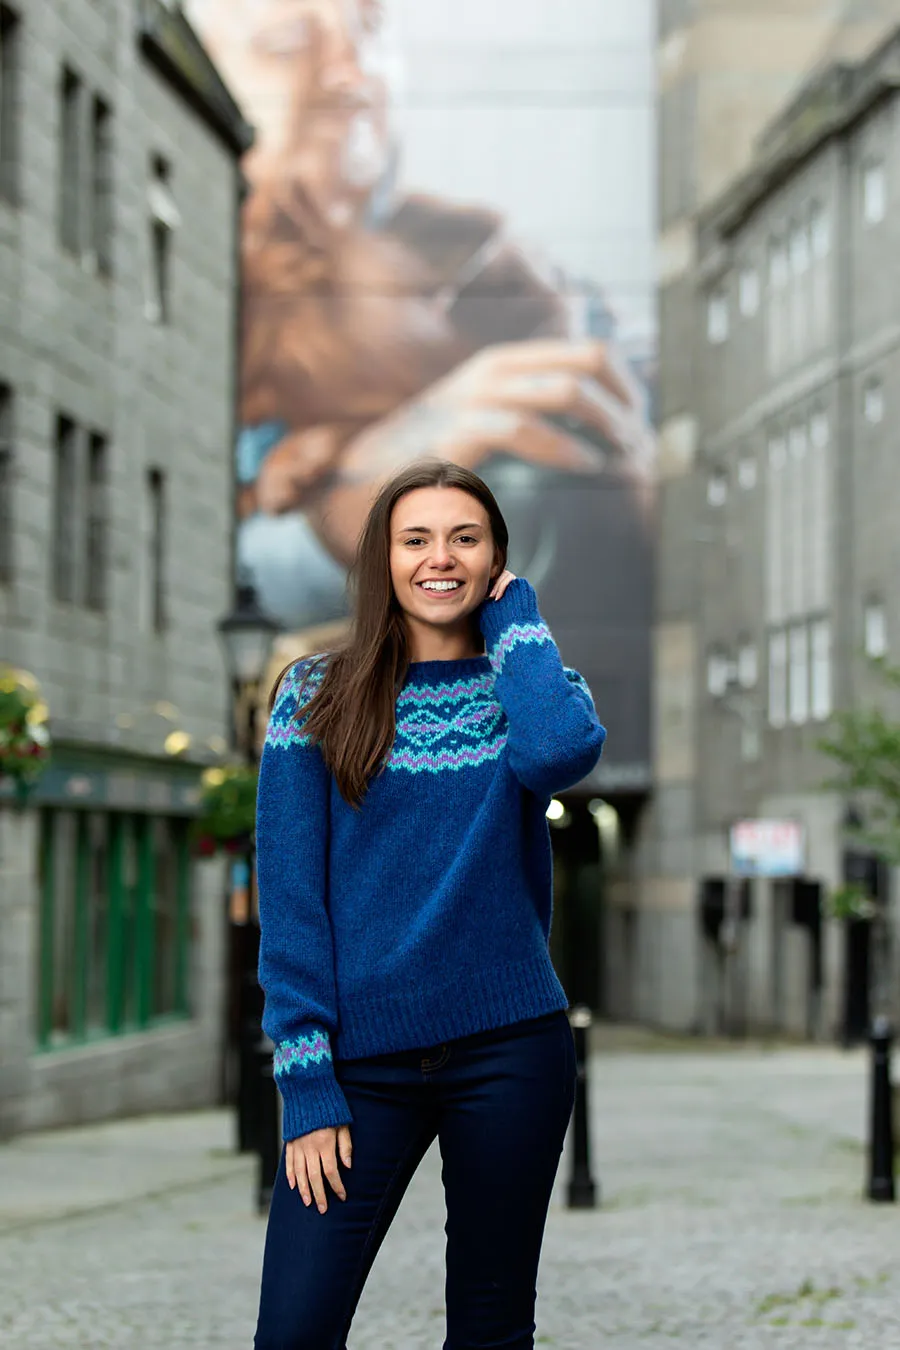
(268, 1125)
(881, 1139)
(582, 1191)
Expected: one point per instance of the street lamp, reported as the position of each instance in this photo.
(247, 635)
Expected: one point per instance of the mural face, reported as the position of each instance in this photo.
(438, 263)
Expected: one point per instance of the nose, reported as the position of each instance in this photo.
(441, 555)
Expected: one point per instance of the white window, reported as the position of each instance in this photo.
(164, 220)
(717, 318)
(797, 442)
(778, 265)
(875, 629)
(820, 635)
(718, 672)
(778, 679)
(747, 472)
(820, 232)
(799, 250)
(818, 430)
(748, 292)
(776, 531)
(717, 489)
(747, 665)
(874, 192)
(873, 401)
(798, 674)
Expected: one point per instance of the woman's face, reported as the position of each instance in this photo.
(443, 556)
(313, 78)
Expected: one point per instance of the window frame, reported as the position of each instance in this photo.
(10, 103)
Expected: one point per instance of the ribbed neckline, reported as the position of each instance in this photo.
(440, 672)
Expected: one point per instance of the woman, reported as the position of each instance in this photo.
(405, 895)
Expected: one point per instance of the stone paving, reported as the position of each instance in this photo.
(732, 1218)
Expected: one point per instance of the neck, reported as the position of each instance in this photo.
(443, 644)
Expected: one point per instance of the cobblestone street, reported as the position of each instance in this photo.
(732, 1218)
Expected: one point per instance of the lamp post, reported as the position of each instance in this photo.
(247, 634)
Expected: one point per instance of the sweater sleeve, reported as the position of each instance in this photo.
(555, 738)
(296, 954)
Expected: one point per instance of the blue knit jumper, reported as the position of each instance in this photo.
(424, 915)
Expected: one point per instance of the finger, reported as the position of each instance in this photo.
(557, 355)
(332, 1174)
(289, 1168)
(317, 1185)
(483, 430)
(345, 1145)
(303, 1180)
(566, 395)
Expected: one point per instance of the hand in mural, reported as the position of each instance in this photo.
(505, 399)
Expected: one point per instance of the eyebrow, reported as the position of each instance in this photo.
(423, 529)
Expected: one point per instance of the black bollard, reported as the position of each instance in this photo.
(881, 1139)
(268, 1142)
(582, 1191)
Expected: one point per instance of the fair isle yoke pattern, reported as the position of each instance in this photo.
(448, 727)
(285, 728)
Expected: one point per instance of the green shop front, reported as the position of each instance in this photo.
(112, 943)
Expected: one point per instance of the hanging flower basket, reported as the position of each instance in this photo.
(227, 810)
(24, 736)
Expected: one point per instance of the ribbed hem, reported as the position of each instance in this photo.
(426, 1015)
(517, 605)
(311, 1102)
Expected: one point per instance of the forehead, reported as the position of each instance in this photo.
(438, 506)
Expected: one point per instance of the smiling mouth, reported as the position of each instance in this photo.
(440, 588)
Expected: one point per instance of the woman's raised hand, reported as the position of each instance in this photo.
(312, 1160)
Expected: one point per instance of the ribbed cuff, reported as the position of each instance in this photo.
(311, 1102)
(517, 605)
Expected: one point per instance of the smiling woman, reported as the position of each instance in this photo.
(405, 894)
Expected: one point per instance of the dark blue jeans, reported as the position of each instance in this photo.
(498, 1104)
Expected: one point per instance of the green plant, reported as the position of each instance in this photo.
(24, 736)
(865, 746)
(227, 807)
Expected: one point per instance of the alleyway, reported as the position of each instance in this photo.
(731, 1218)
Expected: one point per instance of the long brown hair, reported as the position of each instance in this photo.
(351, 714)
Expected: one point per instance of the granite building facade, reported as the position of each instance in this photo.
(119, 211)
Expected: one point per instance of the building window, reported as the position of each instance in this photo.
(875, 629)
(718, 672)
(874, 192)
(97, 523)
(748, 292)
(717, 318)
(820, 690)
(798, 674)
(818, 430)
(65, 510)
(7, 465)
(873, 401)
(10, 44)
(820, 232)
(717, 489)
(777, 323)
(155, 545)
(747, 472)
(778, 679)
(71, 95)
(747, 665)
(101, 186)
(114, 932)
(164, 221)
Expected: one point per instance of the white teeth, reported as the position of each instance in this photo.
(441, 585)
